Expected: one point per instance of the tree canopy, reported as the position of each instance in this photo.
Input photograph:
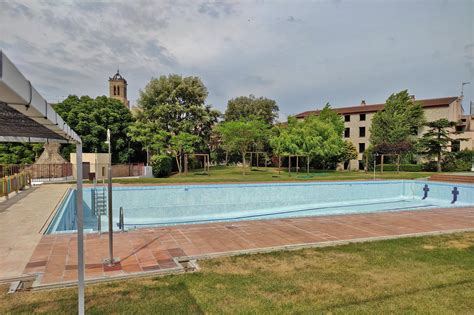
(318, 137)
(252, 108)
(171, 105)
(242, 136)
(437, 139)
(90, 118)
(182, 143)
(19, 153)
(394, 128)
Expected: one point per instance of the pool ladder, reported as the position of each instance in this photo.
(100, 203)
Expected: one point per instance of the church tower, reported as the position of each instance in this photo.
(118, 89)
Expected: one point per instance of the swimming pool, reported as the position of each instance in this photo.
(146, 206)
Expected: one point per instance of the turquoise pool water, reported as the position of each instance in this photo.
(146, 206)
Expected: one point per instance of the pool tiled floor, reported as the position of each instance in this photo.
(153, 249)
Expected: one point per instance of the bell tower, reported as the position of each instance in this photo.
(118, 89)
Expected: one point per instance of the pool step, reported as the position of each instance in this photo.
(452, 178)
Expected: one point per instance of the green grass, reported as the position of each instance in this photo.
(234, 174)
(413, 275)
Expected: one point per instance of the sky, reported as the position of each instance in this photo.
(300, 53)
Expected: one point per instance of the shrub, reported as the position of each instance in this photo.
(403, 167)
(452, 161)
(161, 165)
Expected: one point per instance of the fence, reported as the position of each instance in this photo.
(67, 171)
(13, 183)
(43, 172)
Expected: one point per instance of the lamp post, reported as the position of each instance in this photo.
(110, 261)
(375, 162)
(462, 87)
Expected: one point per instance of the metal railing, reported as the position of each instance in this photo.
(14, 183)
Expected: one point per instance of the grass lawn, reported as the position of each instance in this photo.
(414, 275)
(234, 174)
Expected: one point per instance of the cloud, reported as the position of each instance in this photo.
(292, 19)
(154, 50)
(300, 54)
(15, 9)
(216, 9)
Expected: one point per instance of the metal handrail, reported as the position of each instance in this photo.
(121, 223)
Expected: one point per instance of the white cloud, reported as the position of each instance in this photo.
(301, 54)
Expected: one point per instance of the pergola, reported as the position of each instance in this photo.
(25, 116)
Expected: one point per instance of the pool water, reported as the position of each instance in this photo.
(146, 206)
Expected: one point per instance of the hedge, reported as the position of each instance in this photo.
(161, 165)
(403, 167)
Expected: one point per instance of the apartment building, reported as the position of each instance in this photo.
(357, 121)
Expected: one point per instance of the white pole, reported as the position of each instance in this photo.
(109, 199)
(80, 230)
(375, 163)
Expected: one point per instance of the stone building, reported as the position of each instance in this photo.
(357, 121)
(118, 89)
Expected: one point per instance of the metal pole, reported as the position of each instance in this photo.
(80, 231)
(109, 199)
(375, 163)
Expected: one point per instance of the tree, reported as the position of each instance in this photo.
(181, 144)
(349, 152)
(242, 135)
(252, 108)
(317, 137)
(19, 153)
(394, 128)
(175, 104)
(90, 118)
(438, 139)
(147, 134)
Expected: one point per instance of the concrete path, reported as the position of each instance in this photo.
(156, 249)
(21, 220)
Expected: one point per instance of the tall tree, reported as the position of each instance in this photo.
(90, 118)
(349, 152)
(394, 128)
(317, 137)
(437, 139)
(242, 136)
(176, 104)
(252, 108)
(149, 136)
(180, 144)
(19, 153)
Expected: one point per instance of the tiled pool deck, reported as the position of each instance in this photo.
(153, 249)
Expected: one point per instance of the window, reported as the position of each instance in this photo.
(103, 171)
(455, 146)
(362, 132)
(118, 90)
(347, 118)
(361, 147)
(115, 90)
(459, 128)
(362, 117)
(347, 132)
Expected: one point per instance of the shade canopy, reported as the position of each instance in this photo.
(25, 116)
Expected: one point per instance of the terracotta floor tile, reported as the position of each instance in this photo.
(153, 248)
